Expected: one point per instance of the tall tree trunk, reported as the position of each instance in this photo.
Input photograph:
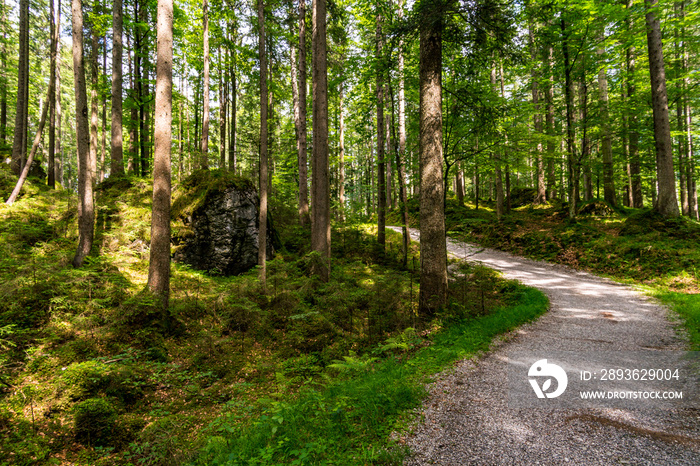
(606, 143)
(389, 138)
(585, 160)
(234, 96)
(680, 107)
(690, 161)
(94, 93)
(667, 202)
(500, 198)
(19, 146)
(541, 195)
(433, 246)
(148, 101)
(142, 53)
(117, 156)
(635, 164)
(551, 172)
(505, 153)
(159, 265)
(103, 98)
(686, 167)
(139, 94)
(53, 30)
(262, 220)
(570, 143)
(3, 77)
(381, 144)
(223, 96)
(57, 90)
(299, 68)
(133, 159)
(197, 133)
(180, 139)
(25, 100)
(401, 154)
(86, 175)
(628, 200)
(341, 154)
(320, 183)
(205, 92)
(460, 184)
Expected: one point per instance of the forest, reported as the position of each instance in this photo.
(131, 333)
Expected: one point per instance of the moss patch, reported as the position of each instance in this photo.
(198, 188)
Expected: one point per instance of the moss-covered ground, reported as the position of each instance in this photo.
(302, 372)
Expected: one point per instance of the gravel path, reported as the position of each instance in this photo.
(469, 418)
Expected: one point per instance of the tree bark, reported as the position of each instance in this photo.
(18, 146)
(551, 172)
(667, 202)
(433, 246)
(133, 159)
(223, 97)
(262, 220)
(159, 265)
(381, 175)
(181, 137)
(299, 84)
(320, 184)
(690, 161)
(606, 143)
(585, 163)
(401, 154)
(143, 70)
(497, 158)
(58, 160)
(94, 94)
(117, 156)
(541, 195)
(635, 165)
(3, 78)
(86, 175)
(103, 98)
(341, 155)
(53, 30)
(570, 143)
(234, 96)
(205, 92)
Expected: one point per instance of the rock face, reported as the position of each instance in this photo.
(220, 235)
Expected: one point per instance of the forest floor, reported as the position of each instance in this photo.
(474, 415)
(304, 372)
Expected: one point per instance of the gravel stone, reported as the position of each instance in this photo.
(467, 420)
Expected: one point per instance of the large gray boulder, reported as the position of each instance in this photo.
(216, 224)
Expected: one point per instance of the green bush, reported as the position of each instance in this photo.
(83, 380)
(95, 419)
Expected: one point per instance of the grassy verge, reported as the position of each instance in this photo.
(687, 306)
(349, 422)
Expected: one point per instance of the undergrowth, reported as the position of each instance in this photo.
(349, 421)
(91, 374)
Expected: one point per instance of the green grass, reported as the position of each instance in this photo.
(349, 422)
(688, 308)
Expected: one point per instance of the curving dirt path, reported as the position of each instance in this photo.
(470, 416)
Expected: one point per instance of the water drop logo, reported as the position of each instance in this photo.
(548, 372)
